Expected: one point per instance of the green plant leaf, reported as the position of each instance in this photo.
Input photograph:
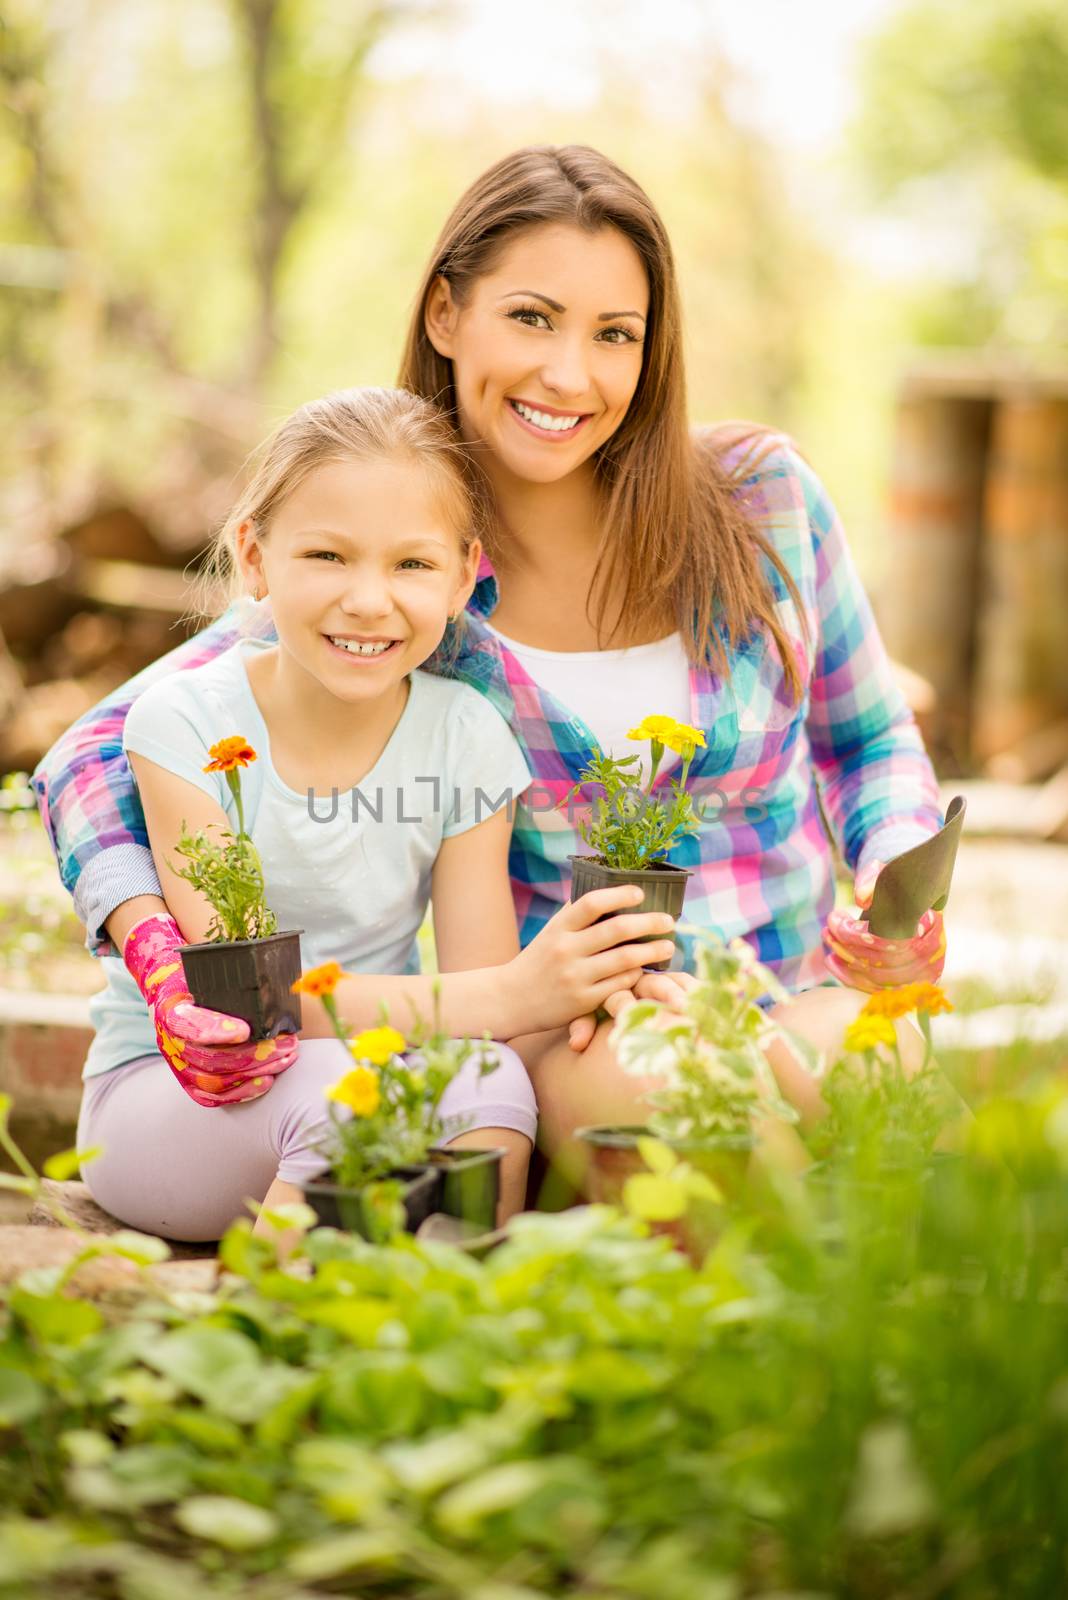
(346, 1552)
(502, 1487)
(55, 1319)
(140, 1475)
(658, 1156)
(66, 1163)
(143, 1248)
(21, 1397)
(429, 1465)
(653, 1198)
(85, 1447)
(700, 1187)
(224, 1369)
(235, 1524)
(243, 1252)
(294, 1215)
(28, 1186)
(357, 1318)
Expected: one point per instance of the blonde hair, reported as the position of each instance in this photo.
(674, 526)
(349, 425)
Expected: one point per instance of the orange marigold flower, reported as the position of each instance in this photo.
(905, 998)
(229, 754)
(318, 981)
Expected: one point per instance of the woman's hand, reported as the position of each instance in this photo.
(670, 988)
(862, 960)
(576, 962)
(209, 1053)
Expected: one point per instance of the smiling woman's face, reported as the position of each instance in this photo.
(547, 351)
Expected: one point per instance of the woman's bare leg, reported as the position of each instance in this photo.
(576, 1091)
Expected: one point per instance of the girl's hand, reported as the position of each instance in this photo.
(210, 1054)
(864, 961)
(670, 988)
(576, 962)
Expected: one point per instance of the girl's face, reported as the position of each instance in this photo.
(547, 351)
(363, 571)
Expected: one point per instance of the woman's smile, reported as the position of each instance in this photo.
(546, 423)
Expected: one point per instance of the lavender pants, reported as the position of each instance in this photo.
(183, 1171)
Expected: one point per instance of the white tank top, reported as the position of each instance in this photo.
(612, 690)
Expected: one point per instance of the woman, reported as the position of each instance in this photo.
(630, 568)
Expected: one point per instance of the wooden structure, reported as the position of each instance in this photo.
(977, 590)
(82, 610)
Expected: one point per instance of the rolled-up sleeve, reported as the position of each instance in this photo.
(88, 799)
(876, 782)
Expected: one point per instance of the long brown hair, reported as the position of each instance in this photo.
(351, 424)
(673, 523)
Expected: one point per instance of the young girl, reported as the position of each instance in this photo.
(375, 786)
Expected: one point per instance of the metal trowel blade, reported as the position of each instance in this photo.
(917, 881)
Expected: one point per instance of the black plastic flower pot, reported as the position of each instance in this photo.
(663, 888)
(339, 1207)
(248, 978)
(470, 1184)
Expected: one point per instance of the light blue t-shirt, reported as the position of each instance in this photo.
(350, 868)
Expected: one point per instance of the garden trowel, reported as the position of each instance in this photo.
(917, 881)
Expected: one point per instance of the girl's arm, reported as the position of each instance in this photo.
(471, 898)
(583, 954)
(563, 973)
(90, 806)
(173, 806)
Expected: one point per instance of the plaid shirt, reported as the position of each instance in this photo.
(762, 863)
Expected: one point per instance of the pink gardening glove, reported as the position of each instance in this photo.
(210, 1054)
(863, 961)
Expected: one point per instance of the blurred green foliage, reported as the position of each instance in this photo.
(213, 211)
(861, 1392)
(965, 106)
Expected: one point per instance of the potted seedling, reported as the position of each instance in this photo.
(877, 1148)
(245, 968)
(711, 1085)
(385, 1173)
(631, 830)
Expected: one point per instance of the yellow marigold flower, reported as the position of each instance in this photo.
(318, 980)
(229, 754)
(358, 1090)
(652, 728)
(677, 736)
(867, 1031)
(377, 1044)
(905, 998)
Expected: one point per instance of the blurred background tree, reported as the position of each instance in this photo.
(216, 210)
(965, 123)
